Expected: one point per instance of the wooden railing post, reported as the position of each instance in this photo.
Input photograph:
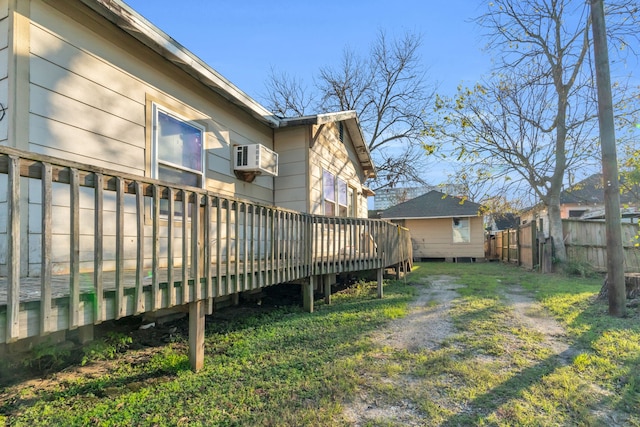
(45, 251)
(271, 245)
(13, 250)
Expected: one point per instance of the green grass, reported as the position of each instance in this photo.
(290, 368)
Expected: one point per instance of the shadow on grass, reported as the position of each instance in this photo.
(513, 388)
(620, 382)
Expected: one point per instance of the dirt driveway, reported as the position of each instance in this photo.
(428, 325)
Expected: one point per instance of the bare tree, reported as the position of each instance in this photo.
(536, 117)
(388, 89)
(287, 95)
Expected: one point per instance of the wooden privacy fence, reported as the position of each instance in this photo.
(516, 245)
(585, 241)
(80, 245)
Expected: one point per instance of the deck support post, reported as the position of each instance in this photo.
(380, 277)
(235, 299)
(307, 294)
(327, 281)
(85, 334)
(196, 334)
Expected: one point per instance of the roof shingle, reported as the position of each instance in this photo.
(433, 204)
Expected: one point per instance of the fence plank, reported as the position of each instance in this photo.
(156, 303)
(119, 299)
(219, 247)
(195, 249)
(208, 225)
(171, 235)
(185, 247)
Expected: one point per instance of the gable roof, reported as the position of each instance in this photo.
(587, 191)
(590, 191)
(434, 204)
(504, 221)
(350, 119)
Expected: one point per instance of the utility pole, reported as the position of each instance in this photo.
(615, 256)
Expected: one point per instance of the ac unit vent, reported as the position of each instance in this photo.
(256, 158)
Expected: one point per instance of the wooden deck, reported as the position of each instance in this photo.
(112, 236)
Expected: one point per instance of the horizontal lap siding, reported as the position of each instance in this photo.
(90, 90)
(433, 238)
(292, 181)
(77, 118)
(337, 157)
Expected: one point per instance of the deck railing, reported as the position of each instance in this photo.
(80, 245)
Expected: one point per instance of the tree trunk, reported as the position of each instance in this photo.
(555, 229)
(631, 284)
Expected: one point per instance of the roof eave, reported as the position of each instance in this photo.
(431, 217)
(138, 27)
(350, 117)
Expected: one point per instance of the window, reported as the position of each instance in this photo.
(341, 132)
(351, 199)
(576, 213)
(177, 149)
(343, 200)
(338, 197)
(329, 193)
(177, 152)
(461, 230)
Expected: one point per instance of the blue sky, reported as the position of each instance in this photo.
(244, 39)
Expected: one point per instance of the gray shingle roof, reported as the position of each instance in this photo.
(434, 204)
(590, 191)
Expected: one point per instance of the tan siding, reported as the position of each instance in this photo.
(291, 185)
(91, 87)
(433, 238)
(337, 157)
(94, 58)
(78, 144)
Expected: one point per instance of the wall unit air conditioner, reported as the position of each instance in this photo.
(255, 158)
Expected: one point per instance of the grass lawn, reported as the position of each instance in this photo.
(284, 367)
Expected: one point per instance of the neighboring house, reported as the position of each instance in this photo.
(441, 226)
(583, 200)
(502, 221)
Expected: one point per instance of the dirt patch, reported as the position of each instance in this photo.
(428, 325)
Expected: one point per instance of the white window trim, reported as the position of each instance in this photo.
(155, 108)
(468, 220)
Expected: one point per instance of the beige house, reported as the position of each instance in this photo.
(108, 89)
(136, 179)
(441, 226)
